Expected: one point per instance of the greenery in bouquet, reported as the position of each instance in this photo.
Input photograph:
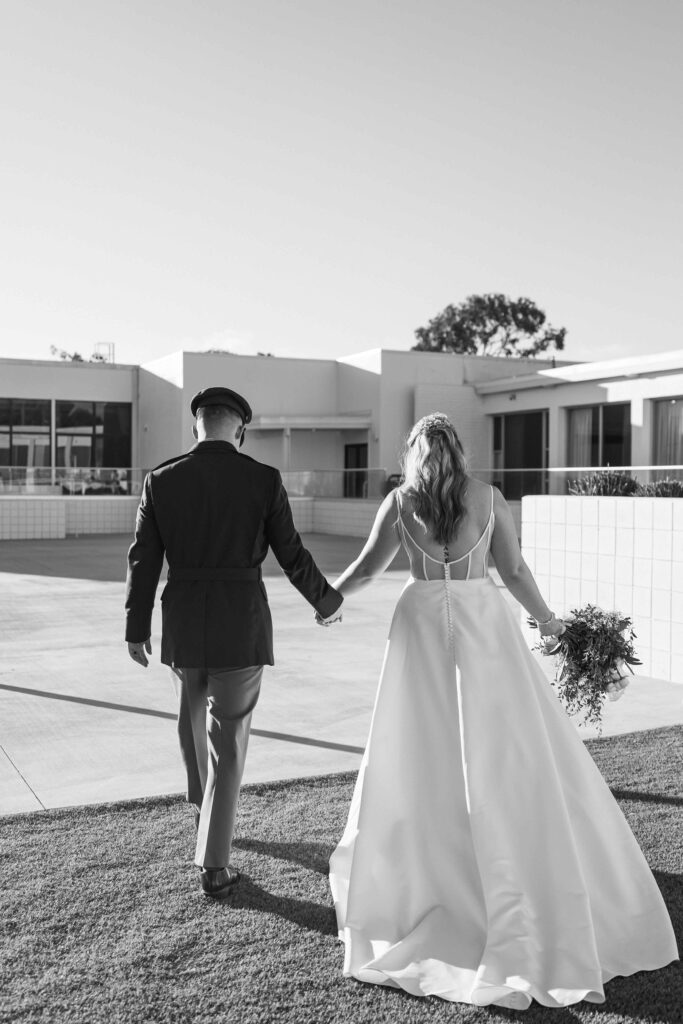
(592, 655)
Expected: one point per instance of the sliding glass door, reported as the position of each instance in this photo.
(520, 453)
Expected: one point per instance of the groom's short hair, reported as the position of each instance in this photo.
(221, 397)
(213, 414)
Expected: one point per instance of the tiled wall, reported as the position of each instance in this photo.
(618, 553)
(23, 518)
(302, 511)
(91, 514)
(347, 516)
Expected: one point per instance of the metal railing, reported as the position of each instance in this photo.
(515, 483)
(46, 480)
(336, 483)
(321, 483)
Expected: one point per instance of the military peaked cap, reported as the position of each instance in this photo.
(222, 396)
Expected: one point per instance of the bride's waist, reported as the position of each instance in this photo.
(473, 582)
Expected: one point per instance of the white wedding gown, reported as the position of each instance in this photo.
(484, 859)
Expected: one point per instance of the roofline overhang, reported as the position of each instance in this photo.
(311, 422)
(629, 368)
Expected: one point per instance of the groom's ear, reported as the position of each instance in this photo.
(194, 431)
(242, 435)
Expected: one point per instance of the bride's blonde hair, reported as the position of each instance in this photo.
(435, 475)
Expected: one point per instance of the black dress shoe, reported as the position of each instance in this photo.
(219, 884)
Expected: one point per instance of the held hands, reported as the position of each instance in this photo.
(137, 652)
(336, 617)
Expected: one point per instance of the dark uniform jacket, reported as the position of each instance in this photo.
(214, 512)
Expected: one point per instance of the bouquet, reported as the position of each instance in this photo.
(593, 653)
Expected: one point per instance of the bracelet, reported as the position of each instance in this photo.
(547, 621)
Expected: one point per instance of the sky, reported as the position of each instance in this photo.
(315, 178)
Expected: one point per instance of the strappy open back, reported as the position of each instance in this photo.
(423, 566)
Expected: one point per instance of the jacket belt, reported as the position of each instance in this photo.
(209, 574)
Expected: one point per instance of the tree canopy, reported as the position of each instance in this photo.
(76, 357)
(491, 325)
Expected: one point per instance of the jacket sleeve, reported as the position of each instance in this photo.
(295, 560)
(145, 560)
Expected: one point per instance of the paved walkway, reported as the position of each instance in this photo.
(81, 723)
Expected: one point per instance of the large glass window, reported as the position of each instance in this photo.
(520, 453)
(25, 432)
(94, 435)
(599, 435)
(668, 446)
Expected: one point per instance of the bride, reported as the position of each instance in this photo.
(484, 859)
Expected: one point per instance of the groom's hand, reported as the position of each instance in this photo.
(336, 617)
(137, 652)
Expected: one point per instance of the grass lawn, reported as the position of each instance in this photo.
(101, 920)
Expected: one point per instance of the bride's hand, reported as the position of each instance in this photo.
(337, 617)
(554, 627)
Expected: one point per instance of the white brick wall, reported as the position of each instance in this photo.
(618, 553)
(24, 518)
(302, 511)
(91, 514)
(348, 517)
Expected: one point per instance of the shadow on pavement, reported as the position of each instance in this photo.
(103, 556)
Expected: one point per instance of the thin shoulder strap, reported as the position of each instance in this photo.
(399, 519)
(399, 508)
(491, 512)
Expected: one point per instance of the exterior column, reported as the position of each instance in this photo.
(286, 449)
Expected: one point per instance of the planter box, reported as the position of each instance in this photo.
(618, 553)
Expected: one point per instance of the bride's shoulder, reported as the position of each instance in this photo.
(478, 492)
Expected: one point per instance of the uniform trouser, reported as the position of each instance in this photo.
(214, 718)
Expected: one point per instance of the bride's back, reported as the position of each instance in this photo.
(466, 551)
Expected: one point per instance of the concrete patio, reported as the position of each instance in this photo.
(81, 723)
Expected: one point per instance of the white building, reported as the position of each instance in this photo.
(72, 425)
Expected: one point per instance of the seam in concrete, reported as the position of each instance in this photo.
(23, 779)
(284, 737)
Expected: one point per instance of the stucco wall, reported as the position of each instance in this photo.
(415, 383)
(76, 382)
(160, 419)
(358, 391)
(462, 405)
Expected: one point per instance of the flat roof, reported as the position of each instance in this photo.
(606, 369)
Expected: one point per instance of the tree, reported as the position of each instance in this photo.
(490, 325)
(76, 357)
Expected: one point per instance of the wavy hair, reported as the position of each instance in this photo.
(435, 475)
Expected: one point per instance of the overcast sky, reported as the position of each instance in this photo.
(315, 178)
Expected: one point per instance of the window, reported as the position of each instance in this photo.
(520, 453)
(668, 426)
(599, 435)
(94, 435)
(25, 432)
(356, 464)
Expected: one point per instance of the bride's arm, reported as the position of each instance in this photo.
(378, 553)
(514, 572)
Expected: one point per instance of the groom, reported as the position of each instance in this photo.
(214, 513)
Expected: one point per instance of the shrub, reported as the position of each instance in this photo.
(604, 482)
(610, 482)
(666, 488)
